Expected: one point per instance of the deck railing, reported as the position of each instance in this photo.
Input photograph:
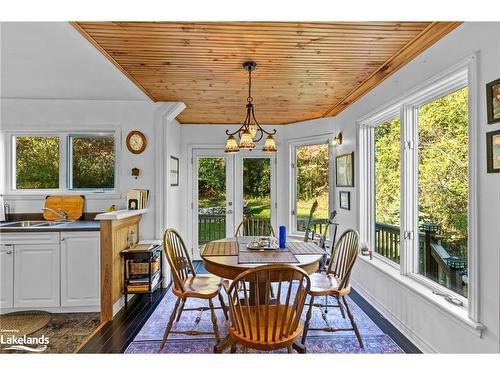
(211, 227)
(434, 260)
(317, 225)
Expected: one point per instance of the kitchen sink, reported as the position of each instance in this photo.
(33, 223)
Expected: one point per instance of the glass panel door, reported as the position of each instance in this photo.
(254, 188)
(213, 199)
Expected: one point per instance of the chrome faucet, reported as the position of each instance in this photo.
(63, 215)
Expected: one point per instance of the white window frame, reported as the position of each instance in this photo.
(292, 148)
(450, 80)
(64, 163)
(69, 160)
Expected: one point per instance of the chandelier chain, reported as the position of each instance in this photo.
(249, 99)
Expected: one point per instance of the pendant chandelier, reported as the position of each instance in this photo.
(250, 132)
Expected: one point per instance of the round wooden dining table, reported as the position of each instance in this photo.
(224, 262)
(228, 267)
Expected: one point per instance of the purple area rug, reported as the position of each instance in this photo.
(149, 338)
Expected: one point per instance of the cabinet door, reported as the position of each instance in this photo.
(80, 269)
(6, 276)
(36, 275)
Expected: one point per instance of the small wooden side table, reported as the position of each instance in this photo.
(143, 279)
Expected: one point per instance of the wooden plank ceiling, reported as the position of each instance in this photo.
(304, 70)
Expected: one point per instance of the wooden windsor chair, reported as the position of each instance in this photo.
(187, 284)
(253, 226)
(262, 324)
(335, 282)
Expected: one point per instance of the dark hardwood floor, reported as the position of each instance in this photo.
(115, 336)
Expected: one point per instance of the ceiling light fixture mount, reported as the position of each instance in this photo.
(250, 132)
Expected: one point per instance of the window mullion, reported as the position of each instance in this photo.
(409, 190)
(63, 162)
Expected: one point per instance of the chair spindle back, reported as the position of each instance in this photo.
(343, 256)
(252, 226)
(252, 314)
(178, 258)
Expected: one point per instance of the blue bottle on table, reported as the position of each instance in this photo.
(282, 237)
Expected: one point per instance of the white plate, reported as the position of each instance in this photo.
(253, 246)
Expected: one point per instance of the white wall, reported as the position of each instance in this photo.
(74, 115)
(174, 198)
(435, 330)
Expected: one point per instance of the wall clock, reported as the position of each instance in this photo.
(136, 142)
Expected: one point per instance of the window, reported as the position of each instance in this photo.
(36, 162)
(63, 161)
(417, 187)
(443, 190)
(311, 184)
(388, 189)
(92, 162)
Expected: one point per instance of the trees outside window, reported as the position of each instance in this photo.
(38, 162)
(311, 179)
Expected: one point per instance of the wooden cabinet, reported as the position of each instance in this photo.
(36, 275)
(7, 276)
(79, 269)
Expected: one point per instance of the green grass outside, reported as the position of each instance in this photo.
(304, 207)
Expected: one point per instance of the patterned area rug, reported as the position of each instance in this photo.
(65, 332)
(149, 338)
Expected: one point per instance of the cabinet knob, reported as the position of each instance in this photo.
(8, 252)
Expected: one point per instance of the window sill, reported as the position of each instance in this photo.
(457, 313)
(90, 195)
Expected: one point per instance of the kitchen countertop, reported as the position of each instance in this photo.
(75, 226)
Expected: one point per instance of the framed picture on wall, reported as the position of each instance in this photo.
(493, 151)
(493, 101)
(344, 170)
(345, 200)
(174, 171)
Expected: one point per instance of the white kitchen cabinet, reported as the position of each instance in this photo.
(80, 269)
(7, 276)
(36, 275)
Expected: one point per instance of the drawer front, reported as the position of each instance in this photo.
(32, 238)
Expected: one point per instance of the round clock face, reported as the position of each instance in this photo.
(136, 142)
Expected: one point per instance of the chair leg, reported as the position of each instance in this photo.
(308, 320)
(180, 309)
(223, 306)
(214, 320)
(340, 307)
(169, 324)
(245, 350)
(353, 323)
(290, 349)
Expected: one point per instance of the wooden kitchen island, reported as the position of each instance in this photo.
(116, 228)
